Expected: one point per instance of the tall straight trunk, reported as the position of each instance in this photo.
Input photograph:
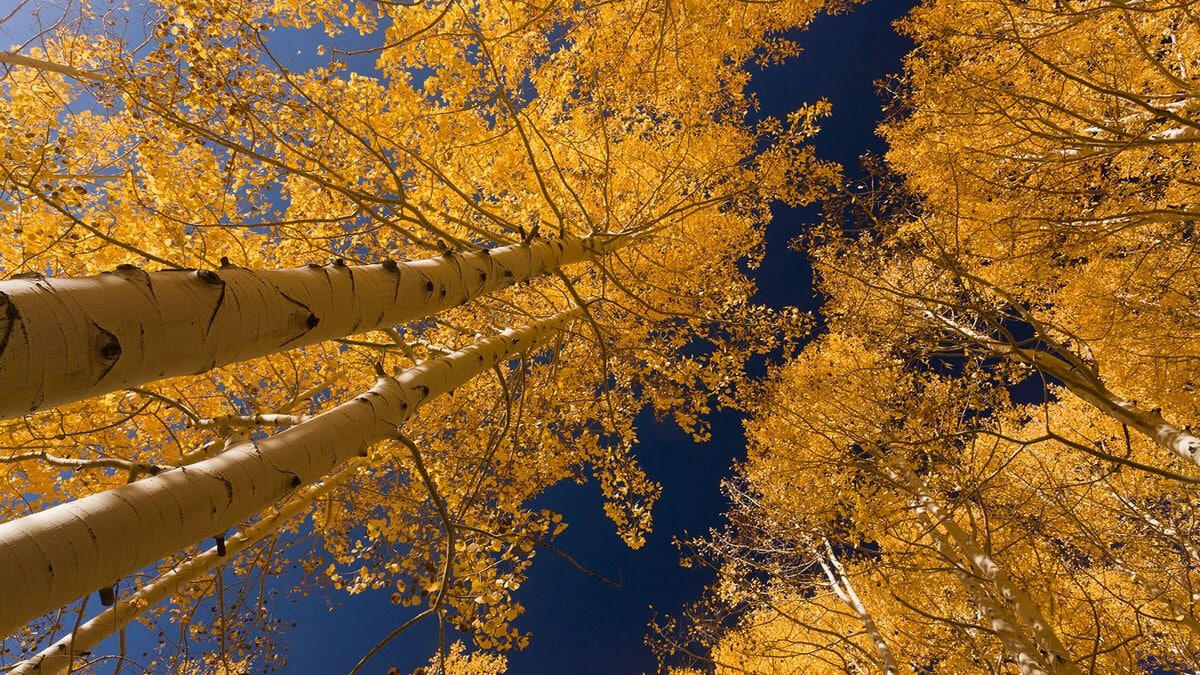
(982, 566)
(50, 558)
(58, 656)
(1180, 441)
(64, 340)
(1000, 618)
(839, 581)
(1019, 648)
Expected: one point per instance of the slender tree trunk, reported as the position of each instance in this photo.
(64, 340)
(14, 59)
(57, 657)
(1150, 423)
(840, 583)
(1001, 620)
(1055, 654)
(1164, 530)
(1017, 646)
(1154, 592)
(50, 558)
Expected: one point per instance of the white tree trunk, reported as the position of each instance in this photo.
(1150, 423)
(1019, 648)
(840, 582)
(1054, 653)
(57, 657)
(50, 558)
(64, 340)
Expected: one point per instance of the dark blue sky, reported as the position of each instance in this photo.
(580, 625)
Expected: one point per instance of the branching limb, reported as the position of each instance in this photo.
(447, 569)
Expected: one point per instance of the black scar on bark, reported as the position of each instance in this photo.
(209, 276)
(108, 596)
(10, 317)
(136, 275)
(310, 321)
(228, 489)
(108, 346)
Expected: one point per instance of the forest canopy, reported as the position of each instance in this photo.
(276, 321)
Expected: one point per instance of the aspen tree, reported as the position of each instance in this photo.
(978, 528)
(839, 581)
(58, 656)
(796, 564)
(69, 339)
(98, 539)
(1052, 153)
(1048, 645)
(203, 149)
(1040, 223)
(953, 312)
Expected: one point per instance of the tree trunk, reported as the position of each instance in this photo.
(1054, 653)
(840, 582)
(64, 340)
(1150, 423)
(58, 656)
(1001, 620)
(50, 558)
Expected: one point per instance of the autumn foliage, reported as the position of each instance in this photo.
(337, 317)
(993, 435)
(561, 200)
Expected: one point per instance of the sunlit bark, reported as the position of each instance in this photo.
(839, 581)
(64, 340)
(53, 557)
(1056, 657)
(58, 656)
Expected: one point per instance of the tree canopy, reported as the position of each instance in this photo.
(340, 317)
(993, 432)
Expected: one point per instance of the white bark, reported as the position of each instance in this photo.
(1018, 647)
(1160, 528)
(982, 566)
(1001, 620)
(1150, 423)
(50, 558)
(1180, 441)
(840, 582)
(251, 421)
(57, 657)
(67, 339)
